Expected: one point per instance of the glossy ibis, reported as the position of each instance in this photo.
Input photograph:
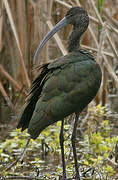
(64, 86)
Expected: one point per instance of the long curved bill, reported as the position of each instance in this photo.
(57, 27)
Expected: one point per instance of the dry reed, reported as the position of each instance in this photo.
(24, 23)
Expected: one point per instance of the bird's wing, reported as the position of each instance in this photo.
(35, 92)
(66, 90)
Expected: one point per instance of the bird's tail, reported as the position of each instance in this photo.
(33, 97)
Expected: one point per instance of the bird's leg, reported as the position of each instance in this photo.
(20, 157)
(62, 150)
(73, 139)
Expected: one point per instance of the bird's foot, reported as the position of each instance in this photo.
(63, 178)
(73, 178)
(77, 177)
(66, 178)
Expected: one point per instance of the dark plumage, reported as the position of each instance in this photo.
(66, 85)
(63, 87)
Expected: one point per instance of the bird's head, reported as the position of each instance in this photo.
(76, 16)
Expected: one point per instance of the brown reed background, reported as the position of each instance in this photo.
(23, 24)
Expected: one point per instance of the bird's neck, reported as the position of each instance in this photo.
(74, 39)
